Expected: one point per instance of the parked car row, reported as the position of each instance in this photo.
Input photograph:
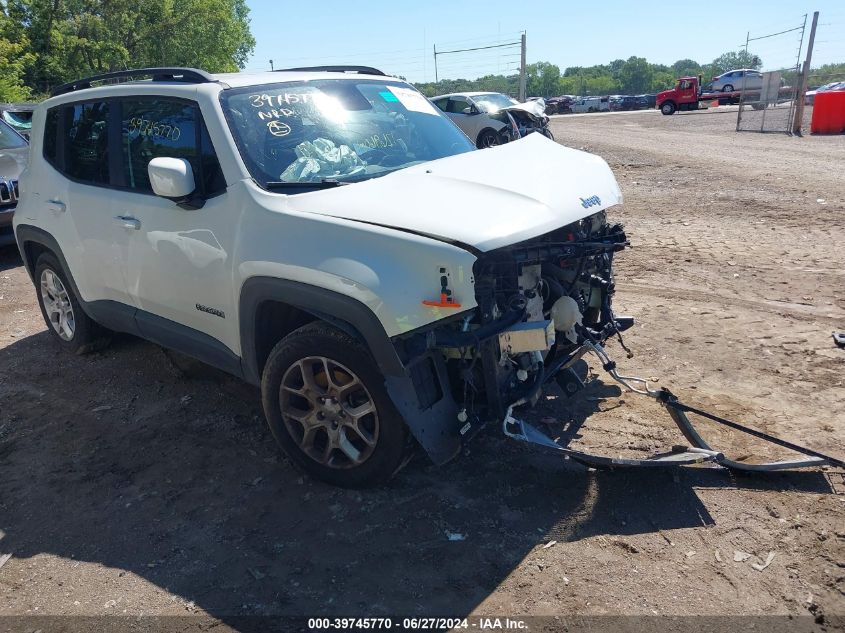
(810, 95)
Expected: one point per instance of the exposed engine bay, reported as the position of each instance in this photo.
(551, 292)
(542, 305)
(538, 301)
(523, 123)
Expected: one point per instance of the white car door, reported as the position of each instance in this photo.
(179, 260)
(82, 218)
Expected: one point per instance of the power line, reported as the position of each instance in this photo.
(480, 48)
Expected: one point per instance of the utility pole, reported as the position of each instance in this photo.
(436, 80)
(522, 71)
(798, 122)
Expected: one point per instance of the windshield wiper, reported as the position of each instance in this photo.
(325, 183)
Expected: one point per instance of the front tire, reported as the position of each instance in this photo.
(728, 88)
(66, 321)
(328, 408)
(668, 108)
(488, 138)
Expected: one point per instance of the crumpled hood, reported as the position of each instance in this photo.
(535, 108)
(485, 198)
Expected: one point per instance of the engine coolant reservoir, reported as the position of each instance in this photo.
(566, 315)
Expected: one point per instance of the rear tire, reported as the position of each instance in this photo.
(66, 321)
(329, 410)
(668, 108)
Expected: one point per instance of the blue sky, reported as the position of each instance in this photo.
(398, 36)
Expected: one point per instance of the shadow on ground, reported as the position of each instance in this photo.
(10, 257)
(121, 459)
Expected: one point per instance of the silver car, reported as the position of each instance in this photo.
(13, 152)
(742, 79)
(491, 118)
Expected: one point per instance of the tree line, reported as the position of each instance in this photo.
(632, 76)
(44, 43)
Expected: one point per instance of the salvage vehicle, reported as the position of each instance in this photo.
(19, 116)
(491, 118)
(13, 153)
(591, 104)
(559, 105)
(328, 235)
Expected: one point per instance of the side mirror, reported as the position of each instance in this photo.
(469, 110)
(173, 178)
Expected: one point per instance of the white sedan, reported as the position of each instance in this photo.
(491, 118)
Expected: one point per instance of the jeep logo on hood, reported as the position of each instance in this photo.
(590, 202)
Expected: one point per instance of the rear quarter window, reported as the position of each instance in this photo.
(51, 131)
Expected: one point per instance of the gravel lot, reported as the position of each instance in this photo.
(134, 482)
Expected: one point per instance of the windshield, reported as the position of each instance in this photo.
(9, 139)
(493, 102)
(21, 119)
(336, 130)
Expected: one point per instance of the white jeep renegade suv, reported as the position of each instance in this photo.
(327, 234)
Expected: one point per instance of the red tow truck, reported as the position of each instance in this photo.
(687, 95)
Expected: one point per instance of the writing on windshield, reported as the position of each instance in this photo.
(344, 130)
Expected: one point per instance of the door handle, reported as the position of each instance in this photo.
(56, 206)
(127, 222)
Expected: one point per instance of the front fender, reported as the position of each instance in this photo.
(317, 301)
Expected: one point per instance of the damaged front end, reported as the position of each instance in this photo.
(523, 123)
(538, 302)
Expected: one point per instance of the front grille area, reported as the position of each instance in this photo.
(8, 191)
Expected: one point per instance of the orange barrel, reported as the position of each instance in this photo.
(828, 113)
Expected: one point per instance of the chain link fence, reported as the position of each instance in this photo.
(767, 103)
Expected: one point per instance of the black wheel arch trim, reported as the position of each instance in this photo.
(435, 427)
(333, 307)
(26, 234)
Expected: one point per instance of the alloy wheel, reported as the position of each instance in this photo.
(329, 412)
(57, 305)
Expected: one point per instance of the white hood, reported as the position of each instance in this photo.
(536, 108)
(485, 199)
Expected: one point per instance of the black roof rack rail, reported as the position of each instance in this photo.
(187, 75)
(361, 70)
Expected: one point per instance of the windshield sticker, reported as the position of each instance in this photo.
(278, 128)
(265, 100)
(388, 96)
(146, 127)
(413, 100)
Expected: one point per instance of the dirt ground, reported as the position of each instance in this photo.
(131, 486)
